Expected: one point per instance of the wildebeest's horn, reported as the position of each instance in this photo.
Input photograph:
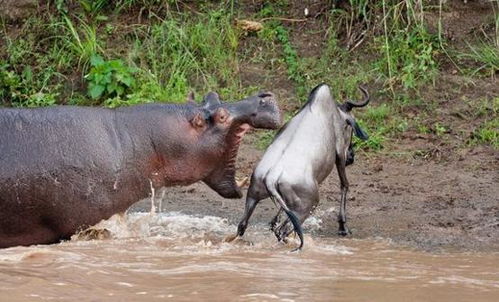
(348, 105)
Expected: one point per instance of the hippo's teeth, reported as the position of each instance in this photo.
(241, 131)
(242, 182)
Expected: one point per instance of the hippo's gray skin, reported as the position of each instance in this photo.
(300, 157)
(64, 168)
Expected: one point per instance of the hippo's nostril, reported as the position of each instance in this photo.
(264, 95)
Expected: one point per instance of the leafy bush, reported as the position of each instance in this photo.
(109, 79)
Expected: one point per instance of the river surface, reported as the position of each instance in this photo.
(176, 257)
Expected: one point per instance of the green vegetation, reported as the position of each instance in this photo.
(488, 131)
(118, 53)
(84, 43)
(486, 51)
(167, 57)
(409, 50)
(486, 55)
(109, 78)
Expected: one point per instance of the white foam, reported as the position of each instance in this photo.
(312, 224)
(170, 225)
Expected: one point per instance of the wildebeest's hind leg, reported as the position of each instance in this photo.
(342, 216)
(297, 201)
(275, 220)
(302, 199)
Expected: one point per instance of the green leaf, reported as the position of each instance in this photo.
(101, 18)
(95, 91)
(27, 73)
(127, 80)
(96, 60)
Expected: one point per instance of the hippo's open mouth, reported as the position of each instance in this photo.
(234, 141)
(223, 180)
(231, 187)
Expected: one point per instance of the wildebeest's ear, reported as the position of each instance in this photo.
(211, 99)
(357, 130)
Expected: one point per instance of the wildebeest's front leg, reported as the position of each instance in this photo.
(252, 199)
(342, 216)
(243, 224)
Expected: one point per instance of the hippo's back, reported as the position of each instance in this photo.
(44, 138)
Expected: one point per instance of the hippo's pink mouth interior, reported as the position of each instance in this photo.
(234, 140)
(223, 179)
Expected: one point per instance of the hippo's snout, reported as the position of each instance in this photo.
(267, 115)
(258, 111)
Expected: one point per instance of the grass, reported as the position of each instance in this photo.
(487, 133)
(179, 46)
(84, 42)
(408, 49)
(180, 53)
(488, 130)
(382, 122)
(171, 56)
(486, 55)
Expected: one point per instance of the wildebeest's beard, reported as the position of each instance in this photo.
(350, 155)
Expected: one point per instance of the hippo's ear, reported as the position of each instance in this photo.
(221, 115)
(357, 130)
(191, 99)
(210, 100)
(198, 121)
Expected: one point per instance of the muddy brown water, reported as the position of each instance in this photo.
(179, 257)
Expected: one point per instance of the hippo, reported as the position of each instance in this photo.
(301, 156)
(64, 168)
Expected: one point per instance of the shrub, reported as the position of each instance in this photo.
(109, 79)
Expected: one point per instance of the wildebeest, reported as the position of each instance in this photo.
(301, 156)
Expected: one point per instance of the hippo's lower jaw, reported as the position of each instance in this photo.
(223, 180)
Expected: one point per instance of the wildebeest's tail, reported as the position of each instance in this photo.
(273, 189)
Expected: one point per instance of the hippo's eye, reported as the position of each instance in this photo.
(263, 102)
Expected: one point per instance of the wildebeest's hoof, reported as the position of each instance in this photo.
(230, 238)
(236, 240)
(344, 232)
